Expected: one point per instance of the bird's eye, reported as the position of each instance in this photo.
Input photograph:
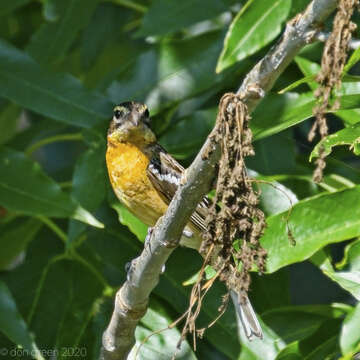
(146, 113)
(117, 114)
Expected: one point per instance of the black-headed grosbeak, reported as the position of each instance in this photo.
(145, 178)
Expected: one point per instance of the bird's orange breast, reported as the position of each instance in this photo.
(127, 167)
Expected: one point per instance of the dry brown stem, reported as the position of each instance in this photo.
(329, 78)
(234, 214)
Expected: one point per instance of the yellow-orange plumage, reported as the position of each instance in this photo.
(127, 166)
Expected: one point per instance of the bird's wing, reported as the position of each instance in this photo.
(165, 173)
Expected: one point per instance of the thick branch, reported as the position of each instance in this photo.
(131, 300)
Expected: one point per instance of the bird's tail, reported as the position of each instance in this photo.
(247, 316)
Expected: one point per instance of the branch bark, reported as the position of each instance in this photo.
(132, 298)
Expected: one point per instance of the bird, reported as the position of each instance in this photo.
(145, 177)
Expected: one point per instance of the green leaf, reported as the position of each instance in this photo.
(348, 280)
(350, 332)
(9, 119)
(314, 223)
(89, 184)
(209, 273)
(186, 137)
(351, 257)
(170, 72)
(354, 58)
(156, 319)
(298, 6)
(69, 291)
(274, 147)
(8, 6)
(348, 136)
(25, 188)
(258, 23)
(102, 30)
(13, 325)
(327, 348)
(59, 96)
(276, 198)
(305, 80)
(278, 112)
(126, 218)
(279, 331)
(14, 238)
(310, 69)
(52, 41)
(166, 16)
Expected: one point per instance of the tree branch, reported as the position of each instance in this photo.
(323, 36)
(132, 299)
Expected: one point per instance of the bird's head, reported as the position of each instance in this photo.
(130, 123)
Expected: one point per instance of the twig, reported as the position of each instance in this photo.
(323, 36)
(132, 299)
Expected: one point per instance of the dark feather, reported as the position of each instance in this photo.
(165, 174)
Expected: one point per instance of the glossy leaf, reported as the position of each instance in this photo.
(59, 96)
(137, 227)
(310, 69)
(35, 193)
(170, 72)
(314, 223)
(354, 58)
(305, 80)
(13, 325)
(52, 41)
(186, 12)
(155, 319)
(14, 238)
(351, 257)
(278, 332)
(253, 28)
(348, 136)
(278, 112)
(327, 347)
(348, 280)
(350, 332)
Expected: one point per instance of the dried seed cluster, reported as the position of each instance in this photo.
(329, 78)
(234, 215)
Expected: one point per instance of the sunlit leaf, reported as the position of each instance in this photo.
(186, 12)
(348, 136)
(350, 335)
(348, 280)
(253, 28)
(59, 96)
(156, 319)
(314, 223)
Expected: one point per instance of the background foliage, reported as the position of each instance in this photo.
(63, 65)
